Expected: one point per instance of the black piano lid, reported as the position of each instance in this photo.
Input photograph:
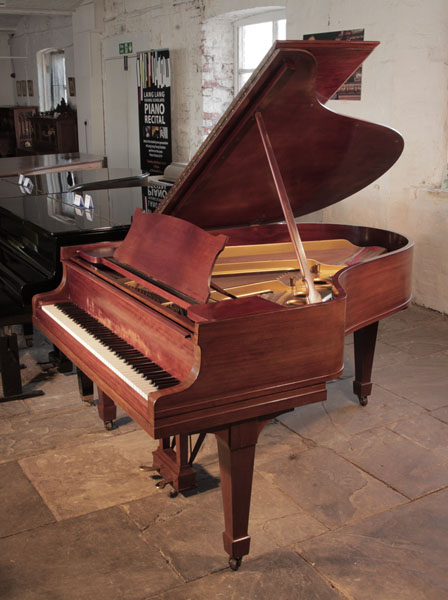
(323, 157)
(55, 214)
(63, 181)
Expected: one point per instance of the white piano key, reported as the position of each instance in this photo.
(116, 364)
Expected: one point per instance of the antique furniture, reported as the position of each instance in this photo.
(15, 129)
(215, 316)
(55, 134)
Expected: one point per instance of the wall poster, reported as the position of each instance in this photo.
(154, 110)
(351, 89)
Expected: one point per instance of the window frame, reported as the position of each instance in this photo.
(273, 16)
(44, 59)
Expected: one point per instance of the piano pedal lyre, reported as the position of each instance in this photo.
(173, 462)
(161, 483)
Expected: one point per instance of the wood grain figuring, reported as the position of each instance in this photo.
(290, 346)
(234, 409)
(323, 157)
(376, 288)
(241, 362)
(166, 343)
(155, 244)
(240, 307)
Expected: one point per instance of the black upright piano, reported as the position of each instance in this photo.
(40, 214)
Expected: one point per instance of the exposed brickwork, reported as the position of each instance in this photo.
(217, 71)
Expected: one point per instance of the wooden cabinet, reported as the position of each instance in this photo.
(15, 129)
(53, 135)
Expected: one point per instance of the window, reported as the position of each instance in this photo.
(52, 80)
(254, 37)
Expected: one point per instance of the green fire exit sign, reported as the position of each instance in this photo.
(125, 48)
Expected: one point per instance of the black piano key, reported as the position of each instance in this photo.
(133, 357)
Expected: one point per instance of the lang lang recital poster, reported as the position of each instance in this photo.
(154, 110)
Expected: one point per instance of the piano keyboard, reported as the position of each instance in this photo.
(133, 367)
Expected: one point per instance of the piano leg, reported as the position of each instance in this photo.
(106, 410)
(10, 369)
(28, 331)
(60, 361)
(85, 386)
(365, 340)
(236, 451)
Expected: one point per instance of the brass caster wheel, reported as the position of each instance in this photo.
(109, 425)
(363, 400)
(235, 563)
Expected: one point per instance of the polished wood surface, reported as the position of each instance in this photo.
(55, 134)
(240, 362)
(37, 164)
(153, 242)
(323, 157)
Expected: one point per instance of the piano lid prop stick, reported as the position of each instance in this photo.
(312, 295)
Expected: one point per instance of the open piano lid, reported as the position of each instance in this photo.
(323, 157)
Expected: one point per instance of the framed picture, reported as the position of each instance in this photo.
(19, 88)
(30, 87)
(71, 86)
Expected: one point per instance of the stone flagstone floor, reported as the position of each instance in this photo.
(349, 502)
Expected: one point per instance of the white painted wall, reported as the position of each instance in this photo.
(36, 33)
(405, 85)
(87, 43)
(151, 25)
(6, 68)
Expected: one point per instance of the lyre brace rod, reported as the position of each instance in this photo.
(312, 295)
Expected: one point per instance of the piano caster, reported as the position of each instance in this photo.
(363, 400)
(235, 563)
(109, 425)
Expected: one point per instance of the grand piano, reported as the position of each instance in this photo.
(38, 215)
(218, 313)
